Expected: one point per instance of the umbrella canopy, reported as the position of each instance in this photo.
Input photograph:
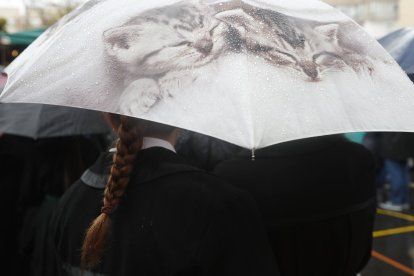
(44, 121)
(400, 44)
(253, 73)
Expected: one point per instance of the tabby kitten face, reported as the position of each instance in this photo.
(287, 42)
(177, 37)
(312, 54)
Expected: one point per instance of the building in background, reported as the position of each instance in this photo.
(15, 14)
(378, 17)
(406, 15)
(34, 14)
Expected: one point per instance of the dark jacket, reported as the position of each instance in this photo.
(76, 209)
(204, 151)
(316, 197)
(175, 219)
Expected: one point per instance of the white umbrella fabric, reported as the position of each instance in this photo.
(253, 73)
(46, 121)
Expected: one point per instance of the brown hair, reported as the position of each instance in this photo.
(128, 144)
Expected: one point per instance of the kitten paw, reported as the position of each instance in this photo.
(139, 97)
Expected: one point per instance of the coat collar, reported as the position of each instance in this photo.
(97, 175)
(150, 142)
(151, 163)
(157, 162)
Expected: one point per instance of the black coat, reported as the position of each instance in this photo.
(204, 151)
(316, 197)
(174, 220)
(76, 209)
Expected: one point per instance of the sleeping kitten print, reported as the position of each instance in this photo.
(162, 51)
(306, 46)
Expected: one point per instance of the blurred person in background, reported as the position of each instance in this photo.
(373, 142)
(53, 165)
(396, 149)
(73, 215)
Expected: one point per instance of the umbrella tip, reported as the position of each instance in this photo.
(253, 156)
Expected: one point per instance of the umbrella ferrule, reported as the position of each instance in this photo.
(253, 155)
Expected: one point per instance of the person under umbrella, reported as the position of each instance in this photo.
(317, 199)
(161, 216)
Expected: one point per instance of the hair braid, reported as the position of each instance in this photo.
(128, 144)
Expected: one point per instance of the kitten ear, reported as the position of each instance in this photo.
(117, 39)
(110, 38)
(235, 18)
(329, 31)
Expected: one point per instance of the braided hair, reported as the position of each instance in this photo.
(129, 143)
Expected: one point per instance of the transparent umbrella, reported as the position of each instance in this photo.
(253, 73)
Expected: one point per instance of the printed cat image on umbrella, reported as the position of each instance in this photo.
(253, 73)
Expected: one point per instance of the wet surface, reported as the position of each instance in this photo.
(393, 250)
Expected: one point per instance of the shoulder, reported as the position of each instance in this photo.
(205, 189)
(356, 152)
(78, 196)
(204, 183)
(336, 152)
